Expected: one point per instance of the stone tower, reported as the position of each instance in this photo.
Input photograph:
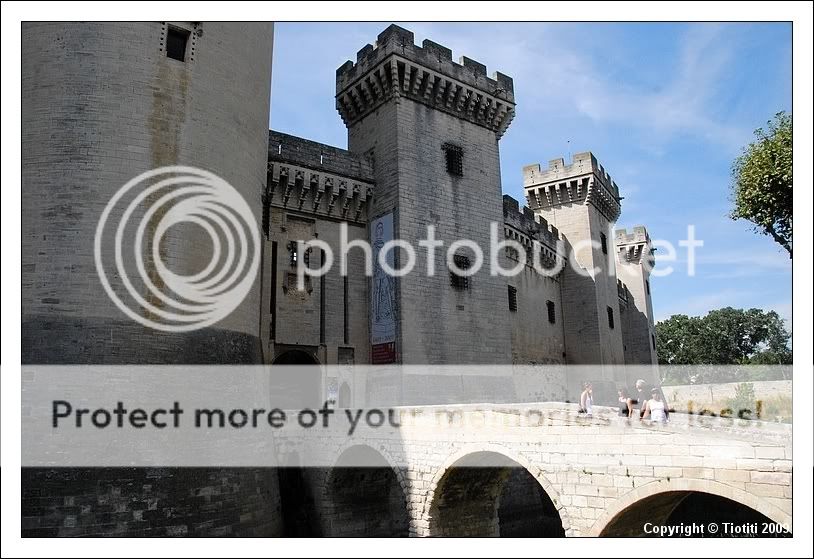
(582, 202)
(101, 104)
(634, 261)
(431, 127)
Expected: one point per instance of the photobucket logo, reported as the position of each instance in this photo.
(137, 222)
(506, 257)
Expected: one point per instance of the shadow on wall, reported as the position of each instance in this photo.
(344, 501)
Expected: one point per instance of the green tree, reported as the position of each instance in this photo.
(678, 340)
(762, 181)
(724, 337)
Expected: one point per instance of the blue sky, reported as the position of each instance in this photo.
(665, 108)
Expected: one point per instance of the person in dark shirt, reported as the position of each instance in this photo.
(626, 405)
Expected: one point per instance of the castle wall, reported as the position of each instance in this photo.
(589, 338)
(582, 202)
(535, 340)
(439, 322)
(313, 190)
(299, 312)
(638, 329)
(405, 133)
(634, 260)
(102, 103)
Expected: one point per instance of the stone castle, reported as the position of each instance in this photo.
(102, 103)
(423, 134)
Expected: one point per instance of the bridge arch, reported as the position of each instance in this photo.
(489, 490)
(370, 500)
(657, 500)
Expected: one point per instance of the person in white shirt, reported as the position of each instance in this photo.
(655, 407)
(586, 399)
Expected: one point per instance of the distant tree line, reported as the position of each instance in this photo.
(725, 336)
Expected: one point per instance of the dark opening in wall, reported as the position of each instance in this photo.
(610, 318)
(603, 240)
(512, 298)
(653, 339)
(552, 316)
(457, 280)
(293, 254)
(177, 43)
(647, 285)
(455, 159)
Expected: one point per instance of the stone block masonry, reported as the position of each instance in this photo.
(101, 104)
(403, 104)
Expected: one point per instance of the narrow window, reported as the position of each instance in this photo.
(293, 254)
(552, 316)
(455, 159)
(653, 339)
(177, 43)
(647, 286)
(603, 240)
(512, 299)
(610, 318)
(459, 281)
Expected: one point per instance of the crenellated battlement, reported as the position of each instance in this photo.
(637, 235)
(314, 155)
(633, 245)
(523, 226)
(396, 67)
(526, 220)
(585, 180)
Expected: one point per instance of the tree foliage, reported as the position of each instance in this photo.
(724, 337)
(762, 181)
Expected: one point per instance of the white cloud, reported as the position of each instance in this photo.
(555, 74)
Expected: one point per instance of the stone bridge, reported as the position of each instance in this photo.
(540, 470)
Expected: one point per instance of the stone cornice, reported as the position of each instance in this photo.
(574, 190)
(317, 192)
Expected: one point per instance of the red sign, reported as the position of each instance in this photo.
(381, 354)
